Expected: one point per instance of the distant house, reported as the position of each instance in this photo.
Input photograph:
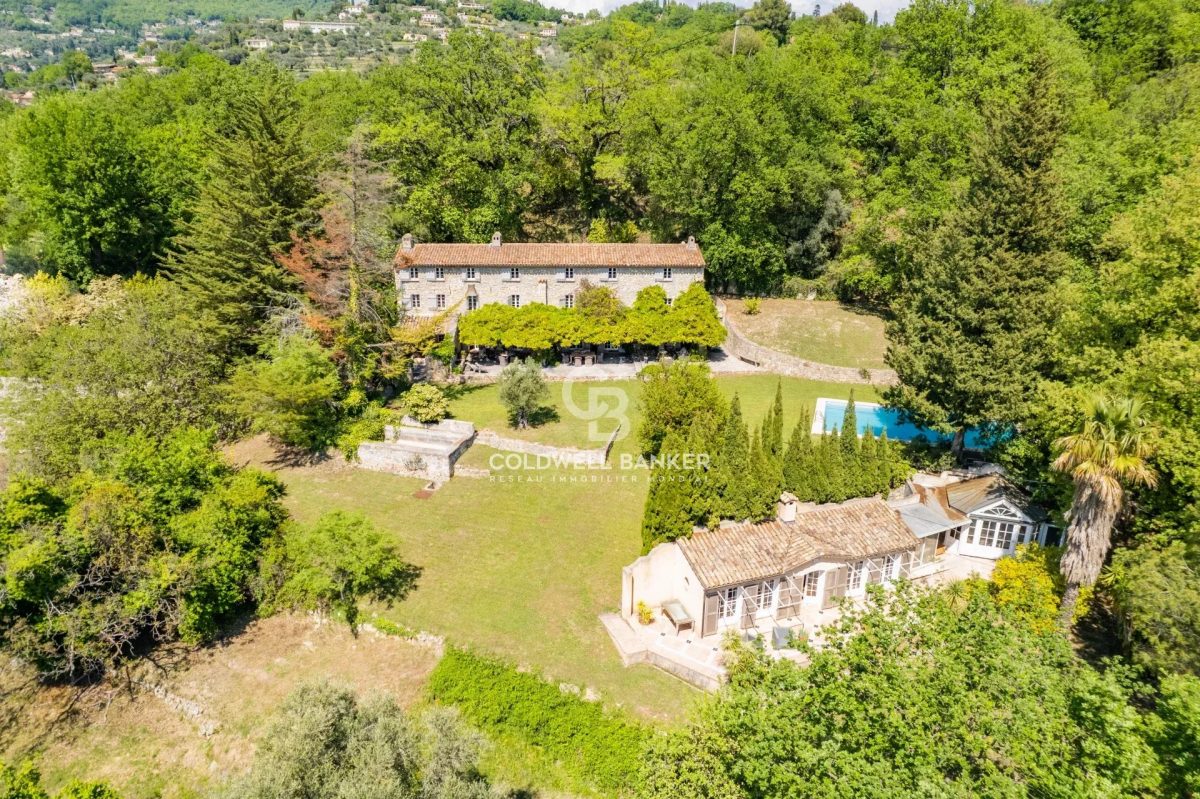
(319, 27)
(429, 19)
(258, 44)
(548, 33)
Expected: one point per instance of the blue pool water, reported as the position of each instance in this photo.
(877, 418)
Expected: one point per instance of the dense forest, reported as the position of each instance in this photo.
(1014, 187)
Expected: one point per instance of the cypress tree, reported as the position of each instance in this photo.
(733, 468)
(866, 475)
(827, 477)
(798, 460)
(884, 462)
(765, 480)
(668, 513)
(261, 187)
(850, 431)
(774, 444)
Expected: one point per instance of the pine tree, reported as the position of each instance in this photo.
(261, 187)
(971, 338)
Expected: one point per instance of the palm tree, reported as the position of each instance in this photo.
(1108, 453)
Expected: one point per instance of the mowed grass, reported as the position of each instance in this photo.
(817, 330)
(569, 419)
(522, 564)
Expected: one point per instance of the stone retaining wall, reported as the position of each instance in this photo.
(741, 347)
(571, 456)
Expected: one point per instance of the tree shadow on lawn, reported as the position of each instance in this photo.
(537, 417)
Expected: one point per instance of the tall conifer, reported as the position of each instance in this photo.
(261, 186)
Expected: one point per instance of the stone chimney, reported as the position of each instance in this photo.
(785, 511)
(496, 239)
(406, 242)
(690, 243)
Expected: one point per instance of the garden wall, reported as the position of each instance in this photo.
(742, 348)
(569, 456)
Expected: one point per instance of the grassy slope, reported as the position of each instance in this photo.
(517, 569)
(522, 568)
(818, 330)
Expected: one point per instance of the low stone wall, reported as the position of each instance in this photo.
(413, 449)
(741, 347)
(569, 456)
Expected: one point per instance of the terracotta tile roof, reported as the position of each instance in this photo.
(970, 495)
(744, 553)
(507, 255)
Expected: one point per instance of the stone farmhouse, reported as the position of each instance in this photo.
(431, 278)
(792, 575)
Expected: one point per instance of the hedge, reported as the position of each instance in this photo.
(596, 746)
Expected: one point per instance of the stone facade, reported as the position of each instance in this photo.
(432, 278)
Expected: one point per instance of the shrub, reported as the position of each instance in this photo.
(644, 613)
(331, 565)
(426, 403)
(597, 747)
(293, 397)
(752, 306)
(366, 427)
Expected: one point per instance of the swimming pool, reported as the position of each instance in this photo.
(831, 413)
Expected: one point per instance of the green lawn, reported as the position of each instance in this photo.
(521, 565)
(817, 330)
(481, 405)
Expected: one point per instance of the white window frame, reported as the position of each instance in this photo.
(670, 301)
(854, 580)
(889, 568)
(470, 274)
(414, 273)
(414, 300)
(472, 302)
(568, 301)
(666, 273)
(612, 273)
(514, 273)
(765, 595)
(727, 603)
(810, 585)
(440, 301)
(568, 273)
(514, 300)
(439, 273)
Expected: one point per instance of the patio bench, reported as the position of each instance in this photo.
(678, 616)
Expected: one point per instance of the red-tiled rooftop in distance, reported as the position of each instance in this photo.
(507, 255)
